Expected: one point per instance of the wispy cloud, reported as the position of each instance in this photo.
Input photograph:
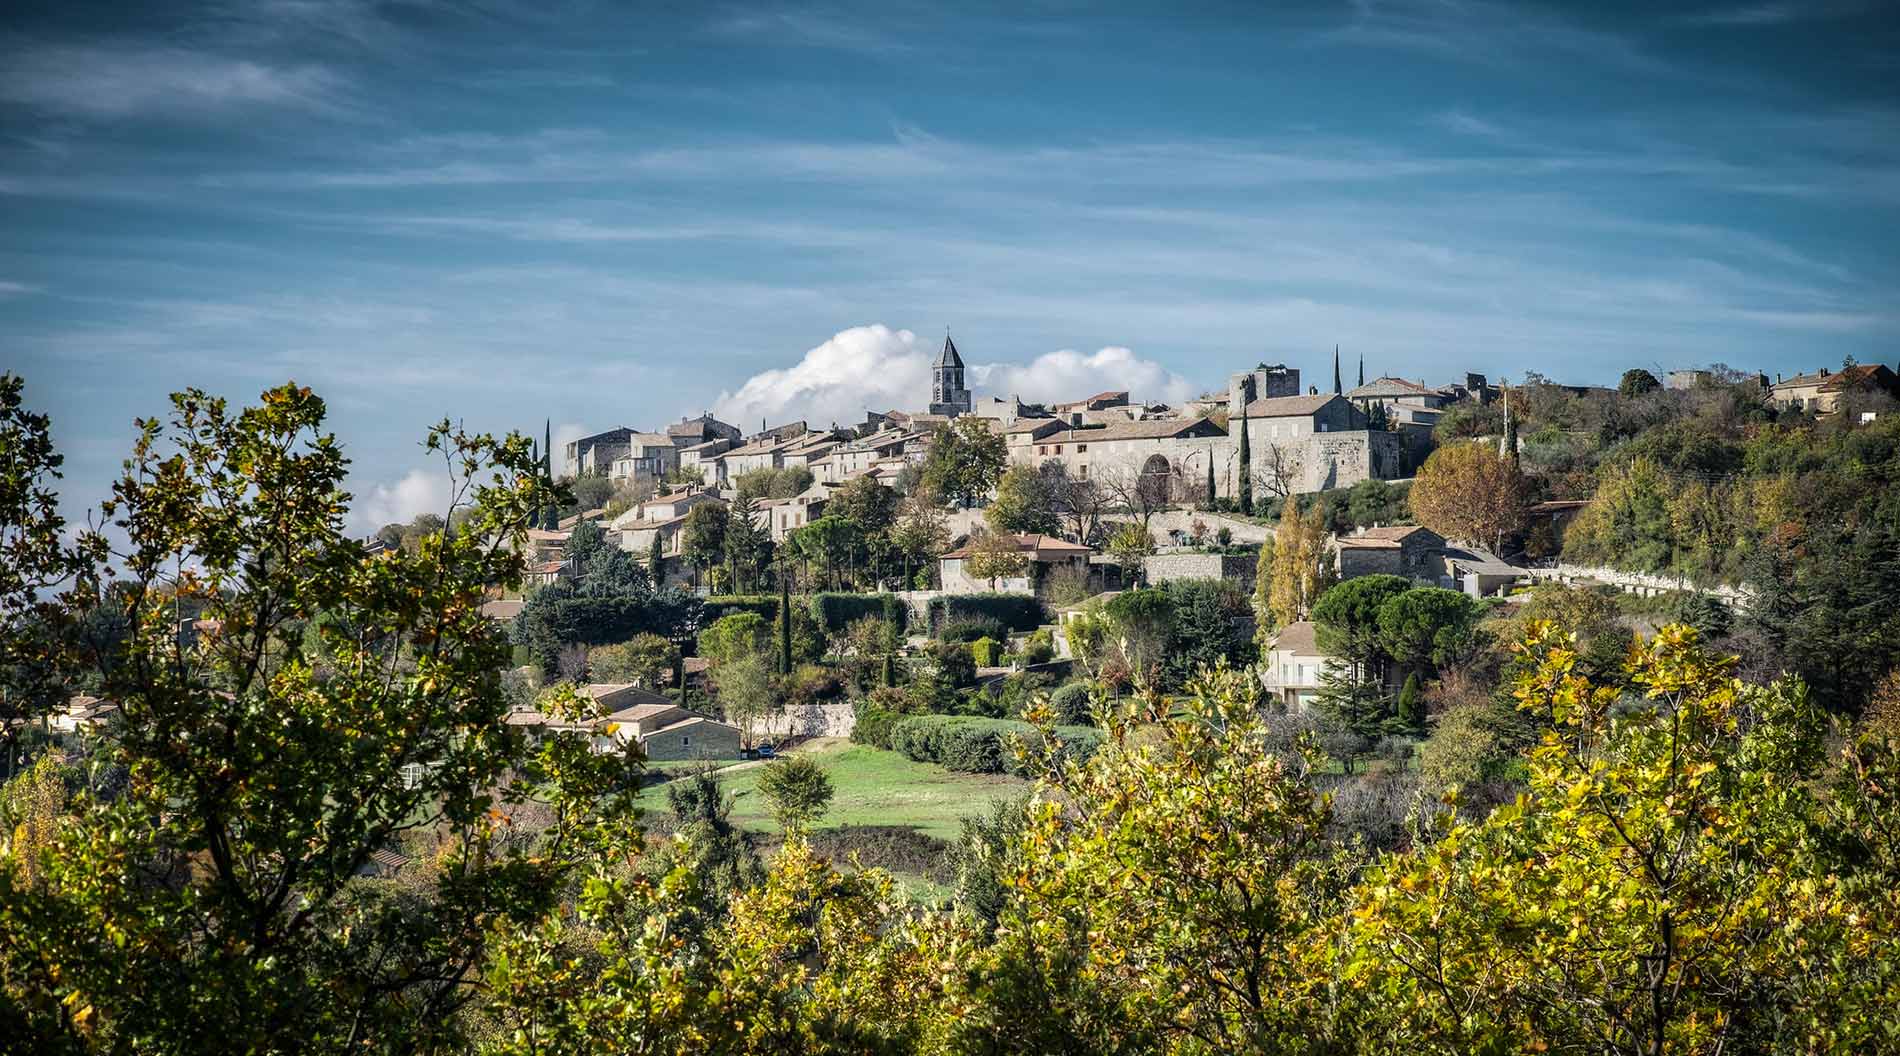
(1771, 14)
(114, 82)
(810, 28)
(9, 288)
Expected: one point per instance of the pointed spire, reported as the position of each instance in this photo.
(1337, 387)
(1362, 368)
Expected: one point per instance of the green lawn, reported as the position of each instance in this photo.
(871, 787)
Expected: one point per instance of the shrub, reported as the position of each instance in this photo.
(811, 684)
(971, 744)
(896, 848)
(1072, 703)
(969, 630)
(765, 605)
(835, 612)
(1017, 612)
(984, 651)
(1039, 647)
(874, 727)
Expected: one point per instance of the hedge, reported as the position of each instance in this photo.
(971, 744)
(838, 611)
(874, 727)
(1018, 612)
(765, 605)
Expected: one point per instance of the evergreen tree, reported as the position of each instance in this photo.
(656, 559)
(784, 622)
(1210, 482)
(1411, 708)
(1246, 470)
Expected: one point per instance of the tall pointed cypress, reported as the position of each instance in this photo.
(551, 518)
(1246, 471)
(1210, 480)
(784, 622)
(1337, 387)
(1362, 369)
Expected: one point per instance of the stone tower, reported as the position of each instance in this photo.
(947, 394)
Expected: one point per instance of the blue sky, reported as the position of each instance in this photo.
(616, 213)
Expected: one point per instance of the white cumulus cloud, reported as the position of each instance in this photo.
(875, 368)
(1055, 377)
(419, 491)
(865, 368)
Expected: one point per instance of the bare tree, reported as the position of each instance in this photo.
(1078, 501)
(1276, 468)
(1142, 491)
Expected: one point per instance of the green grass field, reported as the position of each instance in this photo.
(871, 787)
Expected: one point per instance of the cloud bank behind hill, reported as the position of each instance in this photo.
(875, 368)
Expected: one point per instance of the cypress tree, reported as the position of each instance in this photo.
(1210, 481)
(656, 561)
(784, 623)
(1409, 703)
(551, 518)
(1246, 472)
(890, 670)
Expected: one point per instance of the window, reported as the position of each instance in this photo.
(685, 740)
(1322, 427)
(1058, 449)
(1042, 449)
(1079, 448)
(1083, 471)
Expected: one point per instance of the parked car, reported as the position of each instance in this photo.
(766, 751)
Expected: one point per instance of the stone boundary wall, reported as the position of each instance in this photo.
(808, 720)
(1162, 567)
(1642, 583)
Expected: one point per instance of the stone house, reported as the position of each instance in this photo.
(1823, 391)
(663, 517)
(692, 432)
(1175, 450)
(782, 517)
(702, 460)
(596, 453)
(664, 730)
(648, 458)
(1045, 553)
(1399, 550)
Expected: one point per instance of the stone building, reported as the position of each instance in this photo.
(1398, 550)
(596, 453)
(1176, 451)
(1823, 391)
(666, 731)
(948, 396)
(1303, 444)
(1045, 554)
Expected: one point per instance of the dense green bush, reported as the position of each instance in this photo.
(969, 630)
(874, 727)
(985, 651)
(976, 745)
(836, 611)
(765, 605)
(1018, 612)
(1072, 703)
(1039, 647)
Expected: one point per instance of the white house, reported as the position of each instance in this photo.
(1291, 667)
(1045, 554)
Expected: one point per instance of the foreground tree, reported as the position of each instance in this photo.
(797, 790)
(1662, 887)
(335, 704)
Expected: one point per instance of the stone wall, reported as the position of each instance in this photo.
(1160, 568)
(1635, 582)
(807, 720)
